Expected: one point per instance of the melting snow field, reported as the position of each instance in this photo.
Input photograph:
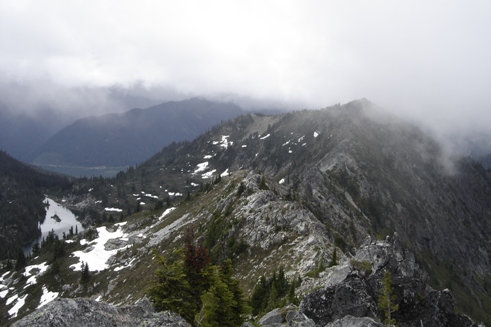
(19, 304)
(66, 219)
(47, 297)
(96, 256)
(33, 272)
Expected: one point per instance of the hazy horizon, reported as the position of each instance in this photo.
(425, 61)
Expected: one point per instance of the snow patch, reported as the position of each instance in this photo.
(224, 142)
(225, 173)
(3, 294)
(113, 209)
(11, 299)
(97, 257)
(166, 212)
(208, 174)
(208, 156)
(127, 265)
(47, 297)
(148, 195)
(38, 271)
(316, 134)
(265, 137)
(19, 304)
(282, 181)
(201, 167)
(244, 145)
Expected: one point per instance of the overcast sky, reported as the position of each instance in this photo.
(428, 59)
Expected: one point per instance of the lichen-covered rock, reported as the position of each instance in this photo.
(87, 313)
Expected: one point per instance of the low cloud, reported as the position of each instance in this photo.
(426, 61)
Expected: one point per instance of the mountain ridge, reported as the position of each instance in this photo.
(356, 171)
(304, 190)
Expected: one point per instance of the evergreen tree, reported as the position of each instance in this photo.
(58, 248)
(85, 275)
(291, 294)
(21, 260)
(258, 298)
(171, 290)
(334, 259)
(386, 300)
(239, 305)
(35, 249)
(196, 259)
(281, 283)
(222, 304)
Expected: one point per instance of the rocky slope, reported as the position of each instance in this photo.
(355, 171)
(286, 190)
(88, 313)
(348, 297)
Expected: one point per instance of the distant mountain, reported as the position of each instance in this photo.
(486, 161)
(22, 191)
(22, 134)
(131, 137)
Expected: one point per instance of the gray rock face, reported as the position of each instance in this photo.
(287, 316)
(350, 321)
(87, 313)
(351, 297)
(357, 295)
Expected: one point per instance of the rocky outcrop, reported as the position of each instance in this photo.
(87, 313)
(357, 295)
(350, 321)
(286, 316)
